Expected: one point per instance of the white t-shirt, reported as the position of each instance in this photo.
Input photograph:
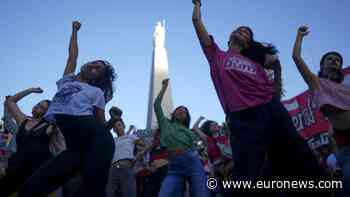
(124, 147)
(75, 98)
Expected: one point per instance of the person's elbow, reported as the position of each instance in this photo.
(8, 100)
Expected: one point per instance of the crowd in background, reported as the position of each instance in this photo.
(67, 144)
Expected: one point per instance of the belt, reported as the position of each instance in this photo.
(123, 163)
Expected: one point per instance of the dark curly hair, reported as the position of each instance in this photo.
(205, 128)
(105, 81)
(257, 52)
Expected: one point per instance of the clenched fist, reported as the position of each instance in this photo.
(76, 25)
(303, 31)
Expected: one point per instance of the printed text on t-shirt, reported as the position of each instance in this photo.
(239, 64)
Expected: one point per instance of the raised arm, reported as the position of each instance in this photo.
(158, 103)
(131, 128)
(201, 31)
(197, 130)
(12, 107)
(115, 114)
(162, 91)
(9, 123)
(308, 76)
(73, 49)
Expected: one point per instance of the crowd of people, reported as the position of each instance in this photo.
(66, 142)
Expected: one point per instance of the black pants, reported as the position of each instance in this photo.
(268, 131)
(154, 182)
(73, 188)
(16, 175)
(90, 149)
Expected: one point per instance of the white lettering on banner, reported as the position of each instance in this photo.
(234, 63)
(306, 116)
(297, 121)
(318, 140)
(292, 106)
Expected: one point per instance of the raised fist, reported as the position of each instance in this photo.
(76, 25)
(195, 2)
(115, 112)
(165, 82)
(303, 31)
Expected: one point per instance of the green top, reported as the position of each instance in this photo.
(173, 135)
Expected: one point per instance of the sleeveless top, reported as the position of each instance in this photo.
(32, 146)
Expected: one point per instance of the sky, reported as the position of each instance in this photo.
(34, 38)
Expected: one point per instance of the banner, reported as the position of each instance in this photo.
(306, 118)
(319, 141)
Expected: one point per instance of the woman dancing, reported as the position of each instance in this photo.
(331, 97)
(179, 140)
(78, 110)
(258, 121)
(33, 138)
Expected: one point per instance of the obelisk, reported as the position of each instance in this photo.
(159, 71)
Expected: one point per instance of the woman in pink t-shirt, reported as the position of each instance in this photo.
(331, 97)
(258, 121)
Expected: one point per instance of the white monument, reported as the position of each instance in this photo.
(158, 73)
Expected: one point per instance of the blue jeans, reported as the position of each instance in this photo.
(185, 167)
(344, 163)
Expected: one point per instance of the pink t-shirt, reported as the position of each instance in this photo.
(214, 152)
(239, 82)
